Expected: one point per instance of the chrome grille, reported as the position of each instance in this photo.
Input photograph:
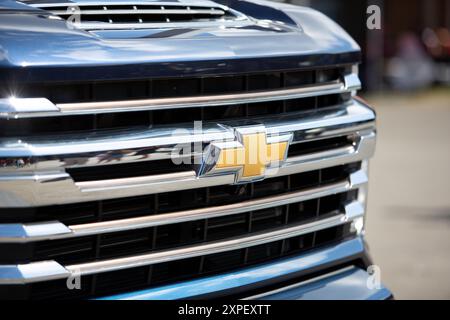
(111, 204)
(230, 95)
(141, 14)
(162, 273)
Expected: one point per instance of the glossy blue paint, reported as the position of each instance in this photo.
(259, 10)
(7, 6)
(35, 48)
(347, 285)
(249, 276)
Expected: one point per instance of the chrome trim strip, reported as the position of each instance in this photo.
(210, 212)
(32, 272)
(260, 274)
(362, 149)
(136, 182)
(192, 3)
(192, 24)
(14, 107)
(352, 82)
(205, 249)
(92, 149)
(141, 11)
(40, 107)
(204, 101)
(351, 117)
(23, 233)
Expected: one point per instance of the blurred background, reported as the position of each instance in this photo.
(406, 77)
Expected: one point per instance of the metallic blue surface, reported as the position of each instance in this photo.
(258, 10)
(348, 285)
(14, 6)
(35, 48)
(248, 276)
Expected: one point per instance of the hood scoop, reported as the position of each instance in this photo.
(130, 15)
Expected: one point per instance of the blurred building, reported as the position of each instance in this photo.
(410, 28)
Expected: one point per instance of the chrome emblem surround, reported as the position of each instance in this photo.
(248, 157)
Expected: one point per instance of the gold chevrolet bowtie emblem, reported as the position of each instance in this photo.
(248, 156)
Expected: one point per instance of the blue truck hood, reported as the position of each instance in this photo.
(34, 47)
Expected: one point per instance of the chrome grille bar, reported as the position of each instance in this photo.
(22, 233)
(49, 270)
(21, 107)
(206, 249)
(138, 3)
(206, 101)
(160, 25)
(113, 11)
(32, 272)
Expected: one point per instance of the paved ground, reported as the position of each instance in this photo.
(408, 226)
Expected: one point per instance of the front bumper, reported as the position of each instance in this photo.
(347, 283)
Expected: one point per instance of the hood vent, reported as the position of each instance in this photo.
(142, 15)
